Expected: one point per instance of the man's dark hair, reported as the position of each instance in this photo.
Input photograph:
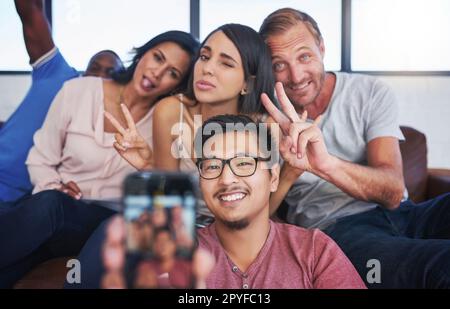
(185, 40)
(257, 64)
(237, 123)
(107, 51)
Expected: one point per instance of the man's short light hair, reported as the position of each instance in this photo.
(284, 19)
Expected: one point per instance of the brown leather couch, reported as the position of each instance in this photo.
(422, 184)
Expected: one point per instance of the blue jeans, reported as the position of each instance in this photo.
(43, 226)
(411, 243)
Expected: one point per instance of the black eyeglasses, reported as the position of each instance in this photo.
(241, 166)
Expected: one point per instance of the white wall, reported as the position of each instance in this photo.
(424, 104)
(12, 90)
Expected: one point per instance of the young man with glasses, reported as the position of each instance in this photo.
(250, 251)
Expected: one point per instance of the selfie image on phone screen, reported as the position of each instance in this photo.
(159, 211)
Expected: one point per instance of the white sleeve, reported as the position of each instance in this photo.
(45, 156)
(383, 118)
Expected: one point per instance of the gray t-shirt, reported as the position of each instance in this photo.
(362, 108)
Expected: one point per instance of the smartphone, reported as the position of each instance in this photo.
(159, 211)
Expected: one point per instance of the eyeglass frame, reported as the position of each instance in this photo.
(227, 162)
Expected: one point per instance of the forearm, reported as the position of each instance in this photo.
(25, 8)
(288, 175)
(43, 177)
(381, 184)
(36, 30)
(41, 164)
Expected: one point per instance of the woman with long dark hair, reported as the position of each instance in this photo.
(231, 72)
(73, 156)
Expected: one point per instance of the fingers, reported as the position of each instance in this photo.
(307, 136)
(273, 111)
(119, 148)
(295, 131)
(74, 187)
(123, 142)
(298, 129)
(115, 123)
(203, 264)
(130, 121)
(302, 143)
(70, 193)
(285, 103)
(73, 192)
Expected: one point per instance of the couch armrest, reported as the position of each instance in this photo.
(438, 182)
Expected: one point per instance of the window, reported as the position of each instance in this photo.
(13, 54)
(386, 35)
(400, 35)
(81, 28)
(327, 13)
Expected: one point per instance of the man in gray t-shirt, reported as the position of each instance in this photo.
(357, 140)
(342, 162)
(361, 110)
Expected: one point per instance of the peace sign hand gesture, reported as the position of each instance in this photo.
(302, 145)
(129, 142)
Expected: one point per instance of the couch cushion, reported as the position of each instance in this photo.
(414, 155)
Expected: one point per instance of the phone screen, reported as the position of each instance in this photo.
(159, 211)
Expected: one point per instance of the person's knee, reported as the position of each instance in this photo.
(50, 202)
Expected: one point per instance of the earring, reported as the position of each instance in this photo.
(243, 91)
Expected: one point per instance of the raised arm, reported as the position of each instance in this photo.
(36, 29)
(381, 181)
(288, 173)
